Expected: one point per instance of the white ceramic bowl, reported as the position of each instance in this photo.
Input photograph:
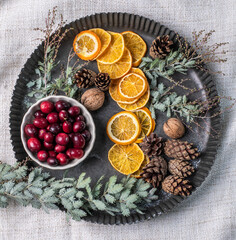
(28, 118)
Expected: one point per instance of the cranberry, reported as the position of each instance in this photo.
(68, 153)
(52, 117)
(67, 127)
(63, 115)
(48, 137)
(62, 105)
(62, 139)
(71, 135)
(59, 148)
(46, 106)
(86, 134)
(52, 154)
(52, 161)
(31, 130)
(42, 155)
(39, 114)
(78, 141)
(80, 118)
(74, 111)
(55, 128)
(79, 126)
(48, 146)
(42, 133)
(76, 153)
(34, 144)
(62, 158)
(40, 122)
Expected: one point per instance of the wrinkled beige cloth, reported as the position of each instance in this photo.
(208, 214)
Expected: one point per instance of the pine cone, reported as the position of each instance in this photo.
(181, 168)
(180, 150)
(155, 171)
(161, 47)
(102, 81)
(84, 78)
(177, 185)
(152, 145)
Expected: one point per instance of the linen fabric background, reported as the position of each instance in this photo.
(210, 212)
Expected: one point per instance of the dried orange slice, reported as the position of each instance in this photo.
(136, 45)
(153, 125)
(145, 120)
(140, 170)
(139, 104)
(132, 86)
(87, 45)
(126, 159)
(123, 128)
(104, 37)
(115, 51)
(113, 88)
(118, 69)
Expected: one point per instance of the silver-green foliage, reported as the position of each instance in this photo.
(174, 62)
(166, 101)
(77, 196)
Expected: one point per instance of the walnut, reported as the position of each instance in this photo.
(174, 128)
(93, 99)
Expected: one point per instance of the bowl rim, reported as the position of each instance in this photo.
(73, 102)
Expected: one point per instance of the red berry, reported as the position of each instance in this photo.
(79, 126)
(40, 122)
(68, 153)
(42, 133)
(55, 128)
(39, 114)
(52, 117)
(52, 154)
(62, 139)
(63, 115)
(78, 141)
(52, 161)
(76, 153)
(30, 130)
(48, 137)
(59, 148)
(74, 111)
(80, 118)
(34, 144)
(46, 106)
(86, 134)
(67, 127)
(42, 155)
(62, 105)
(62, 158)
(48, 146)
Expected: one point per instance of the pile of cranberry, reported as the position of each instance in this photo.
(58, 133)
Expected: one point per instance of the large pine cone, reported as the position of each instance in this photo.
(161, 47)
(181, 168)
(177, 185)
(180, 150)
(84, 78)
(155, 171)
(152, 145)
(102, 81)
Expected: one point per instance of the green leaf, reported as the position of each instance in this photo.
(99, 204)
(168, 114)
(110, 198)
(160, 106)
(154, 63)
(30, 84)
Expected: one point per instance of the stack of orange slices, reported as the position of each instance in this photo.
(126, 129)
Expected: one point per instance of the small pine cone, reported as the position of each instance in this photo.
(177, 185)
(84, 78)
(102, 81)
(161, 47)
(152, 145)
(180, 150)
(181, 168)
(155, 171)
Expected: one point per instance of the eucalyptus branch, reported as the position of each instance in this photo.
(75, 195)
